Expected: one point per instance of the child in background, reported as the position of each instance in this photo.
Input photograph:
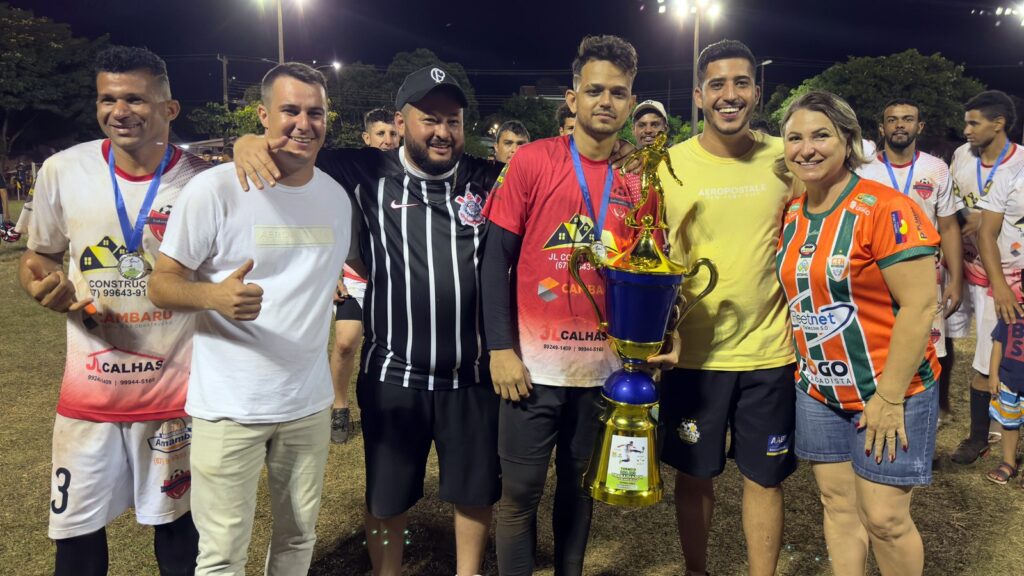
(1007, 387)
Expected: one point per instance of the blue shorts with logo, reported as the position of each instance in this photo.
(826, 434)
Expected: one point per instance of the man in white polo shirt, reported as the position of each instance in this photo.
(259, 272)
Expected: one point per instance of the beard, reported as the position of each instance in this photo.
(420, 155)
(901, 144)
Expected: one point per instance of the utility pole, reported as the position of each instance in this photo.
(280, 34)
(224, 61)
(763, 95)
(696, 53)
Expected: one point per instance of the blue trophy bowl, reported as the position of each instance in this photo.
(630, 387)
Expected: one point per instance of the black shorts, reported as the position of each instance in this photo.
(550, 415)
(348, 309)
(399, 425)
(757, 407)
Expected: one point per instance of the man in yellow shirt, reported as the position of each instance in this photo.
(736, 369)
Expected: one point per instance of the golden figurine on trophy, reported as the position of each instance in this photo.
(642, 288)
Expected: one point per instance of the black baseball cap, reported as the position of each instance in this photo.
(425, 80)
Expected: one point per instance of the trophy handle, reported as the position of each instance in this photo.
(712, 282)
(574, 268)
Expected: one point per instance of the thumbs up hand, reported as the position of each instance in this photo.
(52, 288)
(238, 300)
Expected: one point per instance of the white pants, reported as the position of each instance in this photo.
(227, 458)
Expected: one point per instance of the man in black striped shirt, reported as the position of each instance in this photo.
(423, 375)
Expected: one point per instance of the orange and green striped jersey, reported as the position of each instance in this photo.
(830, 266)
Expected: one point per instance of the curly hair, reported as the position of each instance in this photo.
(608, 48)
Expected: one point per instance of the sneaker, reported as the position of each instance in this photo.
(969, 450)
(339, 425)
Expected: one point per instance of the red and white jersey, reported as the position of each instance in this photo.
(1009, 201)
(964, 171)
(538, 198)
(932, 188)
(134, 364)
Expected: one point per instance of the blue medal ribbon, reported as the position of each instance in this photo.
(892, 175)
(992, 174)
(585, 191)
(133, 236)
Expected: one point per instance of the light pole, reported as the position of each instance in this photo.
(280, 34)
(762, 65)
(698, 8)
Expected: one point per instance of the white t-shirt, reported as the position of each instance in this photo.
(964, 170)
(272, 369)
(932, 187)
(134, 364)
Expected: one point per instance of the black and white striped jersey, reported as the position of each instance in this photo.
(422, 241)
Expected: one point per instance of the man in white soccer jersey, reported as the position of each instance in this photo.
(259, 270)
(986, 164)
(925, 179)
(121, 437)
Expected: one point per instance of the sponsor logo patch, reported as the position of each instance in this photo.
(821, 324)
(803, 267)
(546, 289)
(828, 373)
(778, 444)
(117, 361)
(173, 436)
(899, 226)
(808, 249)
(868, 199)
(688, 431)
(178, 484)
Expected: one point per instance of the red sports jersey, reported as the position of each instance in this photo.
(538, 198)
(830, 266)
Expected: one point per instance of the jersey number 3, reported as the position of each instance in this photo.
(65, 478)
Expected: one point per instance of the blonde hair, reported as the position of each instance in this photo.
(842, 117)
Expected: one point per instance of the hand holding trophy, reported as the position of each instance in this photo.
(641, 288)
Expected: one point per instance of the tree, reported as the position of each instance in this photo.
(353, 90)
(406, 62)
(44, 72)
(935, 83)
(537, 114)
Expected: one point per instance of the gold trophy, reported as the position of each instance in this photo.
(641, 289)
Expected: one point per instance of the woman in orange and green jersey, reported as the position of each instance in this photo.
(853, 259)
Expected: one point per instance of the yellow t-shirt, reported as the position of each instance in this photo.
(729, 210)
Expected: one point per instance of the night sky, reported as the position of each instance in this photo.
(507, 44)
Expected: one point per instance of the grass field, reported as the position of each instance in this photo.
(970, 526)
